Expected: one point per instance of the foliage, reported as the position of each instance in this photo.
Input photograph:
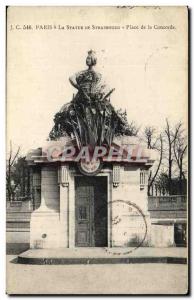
(94, 123)
(178, 187)
(17, 176)
(162, 183)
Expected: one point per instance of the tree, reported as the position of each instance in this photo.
(126, 128)
(180, 148)
(9, 172)
(149, 134)
(171, 146)
(17, 176)
(162, 183)
(171, 139)
(155, 142)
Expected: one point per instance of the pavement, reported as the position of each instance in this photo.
(130, 279)
(103, 255)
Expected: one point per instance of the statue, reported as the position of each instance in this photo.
(89, 117)
(89, 83)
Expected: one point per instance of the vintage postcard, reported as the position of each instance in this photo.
(97, 150)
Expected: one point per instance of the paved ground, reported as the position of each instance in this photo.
(94, 279)
(106, 252)
(99, 255)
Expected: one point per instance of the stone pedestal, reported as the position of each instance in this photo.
(49, 226)
(44, 228)
(45, 221)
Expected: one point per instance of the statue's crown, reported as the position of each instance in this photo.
(91, 52)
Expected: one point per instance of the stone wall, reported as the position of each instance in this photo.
(18, 214)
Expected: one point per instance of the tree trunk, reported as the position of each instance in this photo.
(170, 172)
(180, 178)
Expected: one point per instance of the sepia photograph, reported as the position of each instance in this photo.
(97, 150)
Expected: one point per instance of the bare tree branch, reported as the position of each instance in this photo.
(15, 156)
(152, 179)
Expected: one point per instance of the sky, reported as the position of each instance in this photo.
(147, 67)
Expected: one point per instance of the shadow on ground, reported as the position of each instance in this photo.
(14, 249)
